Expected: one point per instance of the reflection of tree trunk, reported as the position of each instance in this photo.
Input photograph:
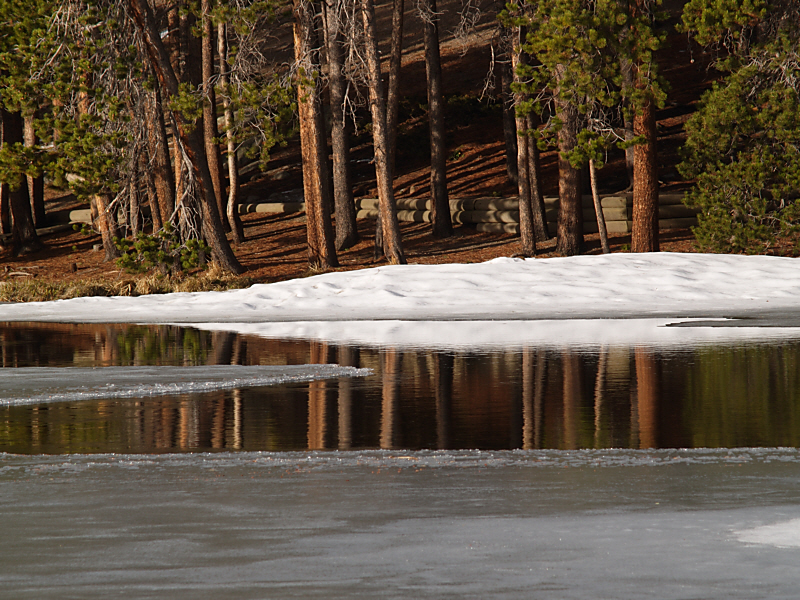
(443, 378)
(238, 440)
(538, 398)
(347, 357)
(647, 397)
(222, 344)
(572, 388)
(218, 423)
(239, 356)
(528, 416)
(599, 392)
(391, 394)
(320, 354)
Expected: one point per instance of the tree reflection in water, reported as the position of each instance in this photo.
(533, 398)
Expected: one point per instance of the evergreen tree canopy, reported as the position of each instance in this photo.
(743, 145)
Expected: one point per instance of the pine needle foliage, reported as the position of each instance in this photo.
(743, 144)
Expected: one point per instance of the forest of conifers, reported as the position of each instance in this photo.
(149, 104)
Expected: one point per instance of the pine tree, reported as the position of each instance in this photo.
(742, 145)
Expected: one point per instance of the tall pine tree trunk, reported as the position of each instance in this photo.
(35, 184)
(345, 209)
(526, 232)
(160, 162)
(23, 232)
(537, 197)
(509, 117)
(644, 233)
(393, 93)
(210, 130)
(392, 104)
(598, 209)
(5, 210)
(440, 203)
(321, 249)
(190, 136)
(106, 224)
(392, 245)
(232, 204)
(570, 211)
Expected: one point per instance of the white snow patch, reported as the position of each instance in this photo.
(780, 535)
(646, 287)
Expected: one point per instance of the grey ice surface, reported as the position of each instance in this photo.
(34, 385)
(539, 524)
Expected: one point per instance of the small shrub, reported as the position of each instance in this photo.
(162, 250)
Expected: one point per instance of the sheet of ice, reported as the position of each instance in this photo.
(586, 287)
(485, 336)
(618, 524)
(35, 385)
(780, 535)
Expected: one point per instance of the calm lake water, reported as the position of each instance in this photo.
(718, 397)
(622, 472)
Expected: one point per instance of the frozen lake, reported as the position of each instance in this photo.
(617, 470)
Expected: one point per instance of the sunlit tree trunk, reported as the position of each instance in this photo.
(527, 235)
(210, 130)
(35, 184)
(392, 245)
(232, 204)
(598, 209)
(321, 250)
(160, 165)
(346, 229)
(570, 211)
(644, 233)
(537, 196)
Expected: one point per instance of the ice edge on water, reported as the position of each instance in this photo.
(336, 460)
(120, 388)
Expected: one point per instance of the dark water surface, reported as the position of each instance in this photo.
(719, 397)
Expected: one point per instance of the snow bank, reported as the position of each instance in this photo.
(615, 286)
(587, 287)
